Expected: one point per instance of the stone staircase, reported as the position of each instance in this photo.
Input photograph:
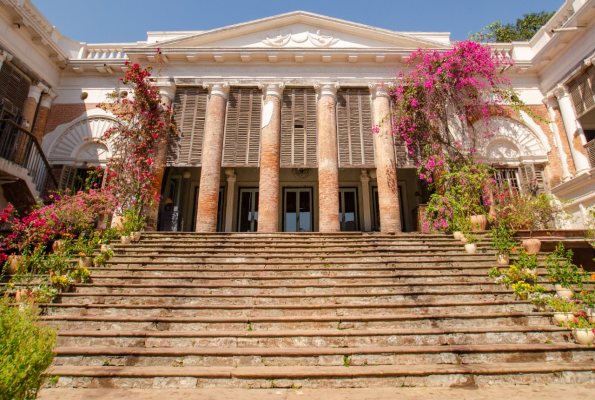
(185, 310)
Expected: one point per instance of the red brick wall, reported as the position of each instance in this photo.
(64, 113)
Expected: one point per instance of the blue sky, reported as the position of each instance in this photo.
(95, 21)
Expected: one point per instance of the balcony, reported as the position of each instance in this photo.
(25, 173)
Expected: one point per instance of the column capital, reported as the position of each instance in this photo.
(327, 89)
(217, 89)
(36, 89)
(230, 174)
(272, 89)
(379, 90)
(560, 91)
(167, 91)
(48, 98)
(364, 176)
(5, 56)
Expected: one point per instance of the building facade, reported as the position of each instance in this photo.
(275, 118)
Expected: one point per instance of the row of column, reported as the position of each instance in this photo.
(328, 165)
(561, 95)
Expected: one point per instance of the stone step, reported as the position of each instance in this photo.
(319, 338)
(321, 356)
(225, 310)
(393, 263)
(395, 321)
(233, 376)
(211, 298)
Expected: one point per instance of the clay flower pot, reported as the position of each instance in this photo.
(584, 335)
(478, 222)
(457, 235)
(13, 265)
(562, 317)
(125, 239)
(135, 236)
(532, 245)
(564, 292)
(85, 262)
(470, 248)
(503, 259)
(58, 247)
(463, 239)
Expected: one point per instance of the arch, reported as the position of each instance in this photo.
(80, 141)
(512, 140)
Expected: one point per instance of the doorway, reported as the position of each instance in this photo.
(348, 209)
(248, 213)
(297, 210)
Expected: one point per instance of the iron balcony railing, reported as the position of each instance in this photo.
(20, 147)
(590, 150)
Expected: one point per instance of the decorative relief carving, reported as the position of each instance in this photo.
(82, 140)
(512, 139)
(316, 39)
(502, 151)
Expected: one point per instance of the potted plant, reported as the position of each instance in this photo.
(85, 248)
(539, 298)
(478, 222)
(80, 275)
(62, 282)
(503, 244)
(522, 289)
(563, 309)
(587, 300)
(583, 330)
(562, 272)
(471, 246)
(133, 223)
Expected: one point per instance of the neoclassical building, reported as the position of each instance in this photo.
(275, 118)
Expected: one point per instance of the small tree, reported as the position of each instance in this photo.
(523, 30)
(143, 124)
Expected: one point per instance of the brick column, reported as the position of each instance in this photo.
(43, 114)
(268, 199)
(167, 91)
(550, 103)
(30, 106)
(570, 125)
(328, 165)
(208, 192)
(386, 169)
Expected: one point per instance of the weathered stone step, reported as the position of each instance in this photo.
(319, 356)
(210, 297)
(105, 322)
(190, 310)
(437, 263)
(233, 376)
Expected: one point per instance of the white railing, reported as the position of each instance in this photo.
(102, 52)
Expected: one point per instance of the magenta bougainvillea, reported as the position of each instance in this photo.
(444, 102)
(143, 123)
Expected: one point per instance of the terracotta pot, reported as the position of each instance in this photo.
(532, 245)
(562, 317)
(564, 292)
(135, 236)
(78, 279)
(470, 248)
(457, 235)
(118, 222)
(478, 222)
(463, 239)
(13, 265)
(125, 239)
(85, 262)
(58, 247)
(584, 336)
(64, 289)
(503, 259)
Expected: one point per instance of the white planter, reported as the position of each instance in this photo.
(457, 235)
(85, 262)
(562, 317)
(470, 248)
(564, 292)
(125, 239)
(105, 247)
(135, 236)
(503, 259)
(584, 335)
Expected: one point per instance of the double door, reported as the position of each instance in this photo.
(297, 210)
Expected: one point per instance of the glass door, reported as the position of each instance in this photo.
(348, 209)
(376, 206)
(297, 210)
(248, 214)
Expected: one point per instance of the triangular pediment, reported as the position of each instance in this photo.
(302, 30)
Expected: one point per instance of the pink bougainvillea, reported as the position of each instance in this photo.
(445, 100)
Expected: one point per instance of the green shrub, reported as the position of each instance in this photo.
(25, 351)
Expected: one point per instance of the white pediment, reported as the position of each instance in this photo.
(301, 30)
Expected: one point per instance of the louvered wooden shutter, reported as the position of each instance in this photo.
(582, 91)
(241, 145)
(67, 177)
(533, 180)
(14, 89)
(299, 129)
(354, 128)
(190, 112)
